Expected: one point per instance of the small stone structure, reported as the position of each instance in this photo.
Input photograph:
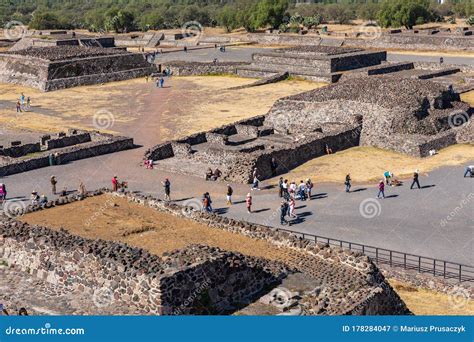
(402, 114)
(315, 63)
(75, 145)
(65, 66)
(197, 279)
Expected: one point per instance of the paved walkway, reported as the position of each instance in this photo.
(436, 221)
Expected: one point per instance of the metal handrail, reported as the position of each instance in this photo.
(437, 267)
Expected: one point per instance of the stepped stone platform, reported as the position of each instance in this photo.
(315, 63)
(407, 115)
(65, 66)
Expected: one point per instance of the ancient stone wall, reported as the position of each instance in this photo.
(199, 68)
(68, 141)
(68, 154)
(21, 150)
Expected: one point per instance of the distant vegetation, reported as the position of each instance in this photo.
(130, 15)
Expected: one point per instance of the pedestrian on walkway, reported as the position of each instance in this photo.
(415, 180)
(161, 82)
(286, 193)
(3, 192)
(292, 205)
(114, 183)
(53, 184)
(230, 191)
(18, 106)
(469, 171)
(248, 201)
(167, 187)
(280, 187)
(28, 103)
(348, 182)
(255, 184)
(309, 188)
(381, 189)
(302, 191)
(283, 212)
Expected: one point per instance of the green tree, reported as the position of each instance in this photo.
(227, 18)
(44, 21)
(407, 13)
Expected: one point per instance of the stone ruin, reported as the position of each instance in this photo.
(200, 279)
(65, 66)
(406, 115)
(66, 147)
(315, 63)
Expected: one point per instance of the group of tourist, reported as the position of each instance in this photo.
(289, 194)
(23, 104)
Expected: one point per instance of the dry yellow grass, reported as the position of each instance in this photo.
(428, 302)
(468, 97)
(367, 164)
(205, 101)
(214, 104)
(110, 217)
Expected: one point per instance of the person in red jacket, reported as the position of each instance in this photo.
(115, 183)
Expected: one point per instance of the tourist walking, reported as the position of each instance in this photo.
(248, 202)
(255, 184)
(3, 192)
(381, 189)
(283, 212)
(53, 184)
(18, 106)
(114, 183)
(167, 187)
(347, 183)
(286, 193)
(387, 176)
(280, 187)
(28, 103)
(208, 202)
(292, 205)
(415, 180)
(230, 191)
(302, 191)
(205, 202)
(469, 171)
(22, 100)
(309, 188)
